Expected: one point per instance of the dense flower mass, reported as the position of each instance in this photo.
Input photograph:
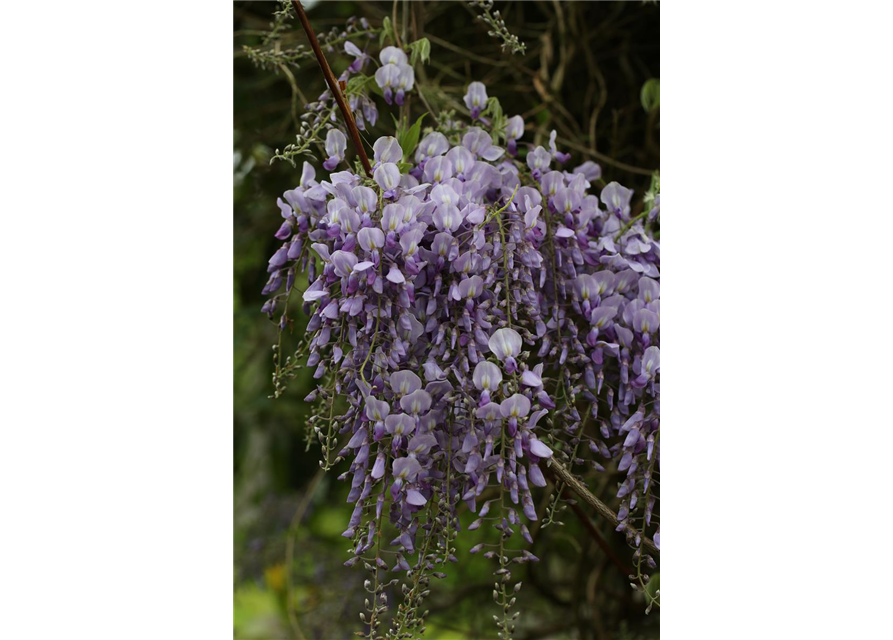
(481, 315)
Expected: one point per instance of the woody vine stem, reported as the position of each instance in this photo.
(333, 87)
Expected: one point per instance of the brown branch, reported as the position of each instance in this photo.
(333, 87)
(603, 510)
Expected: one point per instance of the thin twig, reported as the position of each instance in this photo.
(580, 489)
(333, 87)
(606, 159)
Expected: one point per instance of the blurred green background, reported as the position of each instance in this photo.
(583, 74)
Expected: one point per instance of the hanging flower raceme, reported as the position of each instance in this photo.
(482, 317)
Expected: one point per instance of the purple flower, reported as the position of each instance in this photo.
(395, 77)
(531, 378)
(395, 275)
(470, 288)
(487, 377)
(417, 402)
(461, 160)
(308, 175)
(476, 99)
(645, 321)
(433, 144)
(560, 157)
(421, 443)
(377, 410)
(447, 217)
(410, 242)
(589, 170)
(284, 231)
(406, 468)
(616, 198)
(585, 287)
(404, 82)
(535, 474)
(279, 259)
(360, 57)
(357, 439)
(379, 466)
(601, 316)
(505, 344)
(392, 55)
(315, 292)
(405, 382)
(567, 201)
(438, 169)
(367, 200)
(603, 282)
(387, 176)
(552, 182)
(514, 129)
(481, 144)
(539, 160)
(517, 406)
(649, 290)
(444, 246)
(399, 424)
(370, 239)
(648, 367)
(392, 218)
(490, 411)
(336, 144)
(540, 450)
(531, 216)
(344, 263)
(444, 194)
(387, 149)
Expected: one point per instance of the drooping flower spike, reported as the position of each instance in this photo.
(475, 316)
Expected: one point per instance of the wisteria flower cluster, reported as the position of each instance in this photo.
(472, 318)
(395, 77)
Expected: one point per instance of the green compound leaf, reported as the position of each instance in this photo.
(651, 95)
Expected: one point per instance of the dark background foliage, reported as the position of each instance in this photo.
(582, 75)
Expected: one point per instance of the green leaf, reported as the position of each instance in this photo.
(651, 94)
(497, 118)
(409, 139)
(358, 83)
(398, 128)
(387, 32)
(653, 190)
(420, 50)
(653, 586)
